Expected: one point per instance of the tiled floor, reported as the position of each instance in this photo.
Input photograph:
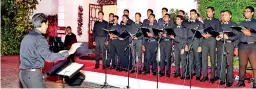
(10, 79)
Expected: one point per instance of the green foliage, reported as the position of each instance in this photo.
(15, 23)
(236, 6)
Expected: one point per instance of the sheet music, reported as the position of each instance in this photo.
(71, 69)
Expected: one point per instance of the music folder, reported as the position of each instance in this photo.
(65, 68)
(240, 28)
(198, 34)
(170, 31)
(229, 33)
(71, 69)
(211, 31)
(156, 31)
(145, 30)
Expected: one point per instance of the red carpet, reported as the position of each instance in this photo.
(89, 66)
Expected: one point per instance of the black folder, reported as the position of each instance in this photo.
(156, 31)
(170, 31)
(145, 30)
(211, 31)
(229, 33)
(198, 34)
(239, 28)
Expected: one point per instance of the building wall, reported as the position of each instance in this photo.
(141, 6)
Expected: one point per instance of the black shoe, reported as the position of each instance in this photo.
(204, 79)
(194, 74)
(229, 84)
(168, 75)
(140, 71)
(176, 75)
(188, 77)
(96, 67)
(197, 78)
(240, 83)
(112, 67)
(118, 69)
(108, 66)
(161, 74)
(126, 70)
(103, 67)
(216, 78)
(145, 73)
(182, 77)
(212, 81)
(154, 74)
(133, 71)
(221, 82)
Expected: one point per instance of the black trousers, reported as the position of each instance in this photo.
(194, 57)
(247, 52)
(219, 55)
(123, 59)
(31, 79)
(179, 58)
(101, 47)
(227, 63)
(208, 47)
(165, 61)
(150, 56)
(113, 52)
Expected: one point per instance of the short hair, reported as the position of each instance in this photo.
(198, 15)
(138, 14)
(111, 14)
(151, 11)
(38, 19)
(250, 7)
(179, 16)
(182, 11)
(227, 11)
(126, 10)
(68, 27)
(210, 7)
(115, 16)
(165, 9)
(152, 15)
(101, 12)
(193, 10)
(168, 15)
(126, 16)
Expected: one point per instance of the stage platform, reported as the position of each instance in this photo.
(140, 81)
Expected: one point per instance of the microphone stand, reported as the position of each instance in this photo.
(157, 64)
(222, 58)
(187, 59)
(105, 85)
(129, 59)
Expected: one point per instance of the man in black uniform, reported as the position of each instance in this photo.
(180, 42)
(247, 46)
(100, 39)
(149, 46)
(149, 12)
(126, 12)
(123, 43)
(110, 23)
(182, 13)
(229, 38)
(194, 54)
(137, 43)
(111, 18)
(209, 45)
(166, 48)
(161, 20)
(114, 43)
(34, 50)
